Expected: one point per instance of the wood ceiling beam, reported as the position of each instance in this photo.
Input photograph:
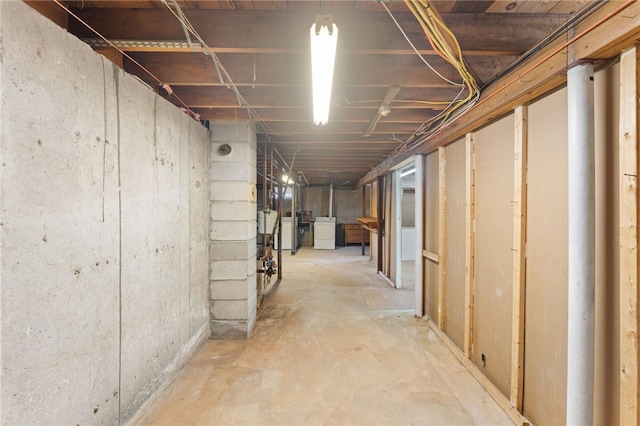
(337, 168)
(344, 97)
(538, 75)
(352, 115)
(275, 50)
(341, 153)
(180, 68)
(329, 155)
(334, 166)
(404, 129)
(236, 29)
(338, 162)
(336, 140)
(51, 11)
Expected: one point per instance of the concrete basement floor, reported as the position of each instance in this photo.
(334, 345)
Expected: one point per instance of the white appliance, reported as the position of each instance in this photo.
(270, 216)
(324, 233)
(286, 233)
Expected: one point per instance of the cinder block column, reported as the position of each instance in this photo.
(232, 256)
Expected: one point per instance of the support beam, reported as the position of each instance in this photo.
(519, 255)
(469, 245)
(581, 268)
(233, 237)
(419, 224)
(294, 227)
(364, 214)
(387, 224)
(112, 55)
(397, 217)
(380, 213)
(51, 11)
(235, 31)
(279, 223)
(629, 295)
(442, 240)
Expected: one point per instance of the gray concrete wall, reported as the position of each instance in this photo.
(317, 200)
(348, 205)
(103, 226)
(232, 180)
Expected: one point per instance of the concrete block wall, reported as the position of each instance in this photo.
(232, 186)
(104, 286)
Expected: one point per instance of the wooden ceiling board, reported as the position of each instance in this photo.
(264, 47)
(274, 30)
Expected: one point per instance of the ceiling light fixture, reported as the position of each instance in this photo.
(408, 172)
(324, 40)
(383, 110)
(130, 45)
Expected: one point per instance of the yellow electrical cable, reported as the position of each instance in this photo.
(424, 28)
(427, 18)
(445, 44)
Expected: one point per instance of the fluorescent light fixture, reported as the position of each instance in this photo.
(130, 45)
(383, 110)
(324, 39)
(408, 172)
(287, 180)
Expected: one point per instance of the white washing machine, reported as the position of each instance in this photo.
(324, 233)
(286, 233)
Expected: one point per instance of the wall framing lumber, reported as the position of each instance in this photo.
(628, 157)
(388, 187)
(469, 246)
(364, 214)
(434, 257)
(442, 271)
(516, 417)
(612, 36)
(419, 225)
(380, 212)
(519, 255)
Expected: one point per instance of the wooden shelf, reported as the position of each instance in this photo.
(370, 223)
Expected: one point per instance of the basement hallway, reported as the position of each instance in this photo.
(334, 345)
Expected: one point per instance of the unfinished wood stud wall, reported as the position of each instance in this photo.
(469, 246)
(442, 269)
(388, 186)
(519, 254)
(628, 154)
(546, 224)
(379, 215)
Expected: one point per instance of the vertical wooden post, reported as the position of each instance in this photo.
(519, 254)
(380, 212)
(419, 224)
(628, 154)
(279, 219)
(364, 214)
(470, 245)
(387, 224)
(397, 220)
(442, 264)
